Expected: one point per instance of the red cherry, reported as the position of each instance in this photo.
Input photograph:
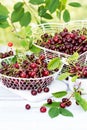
(33, 65)
(43, 109)
(27, 106)
(45, 73)
(16, 65)
(23, 75)
(34, 92)
(42, 57)
(10, 44)
(62, 105)
(83, 37)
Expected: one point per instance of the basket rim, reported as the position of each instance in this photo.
(58, 23)
(10, 77)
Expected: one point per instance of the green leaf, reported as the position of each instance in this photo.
(14, 60)
(73, 57)
(41, 11)
(59, 94)
(65, 112)
(26, 19)
(3, 18)
(36, 2)
(47, 16)
(3, 10)
(28, 30)
(54, 63)
(18, 5)
(53, 112)
(24, 43)
(4, 24)
(17, 15)
(64, 1)
(74, 78)
(63, 76)
(81, 101)
(74, 4)
(66, 15)
(35, 49)
(53, 104)
(52, 5)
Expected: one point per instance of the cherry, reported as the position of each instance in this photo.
(23, 75)
(32, 74)
(33, 65)
(46, 89)
(83, 37)
(27, 106)
(49, 101)
(45, 72)
(16, 65)
(39, 90)
(43, 109)
(10, 44)
(62, 105)
(34, 92)
(42, 57)
(68, 103)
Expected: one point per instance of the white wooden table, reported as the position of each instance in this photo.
(14, 116)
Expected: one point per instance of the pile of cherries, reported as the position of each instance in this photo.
(79, 70)
(65, 41)
(6, 54)
(29, 67)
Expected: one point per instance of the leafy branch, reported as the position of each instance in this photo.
(55, 108)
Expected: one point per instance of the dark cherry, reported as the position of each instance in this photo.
(49, 101)
(39, 90)
(27, 106)
(46, 89)
(34, 92)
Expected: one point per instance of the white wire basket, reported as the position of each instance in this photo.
(52, 28)
(18, 83)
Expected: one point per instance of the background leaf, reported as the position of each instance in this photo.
(3, 10)
(47, 16)
(52, 5)
(66, 15)
(41, 11)
(18, 5)
(36, 2)
(53, 112)
(59, 94)
(74, 4)
(26, 19)
(65, 112)
(4, 24)
(54, 63)
(17, 15)
(3, 18)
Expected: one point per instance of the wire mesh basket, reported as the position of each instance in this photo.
(27, 83)
(52, 29)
